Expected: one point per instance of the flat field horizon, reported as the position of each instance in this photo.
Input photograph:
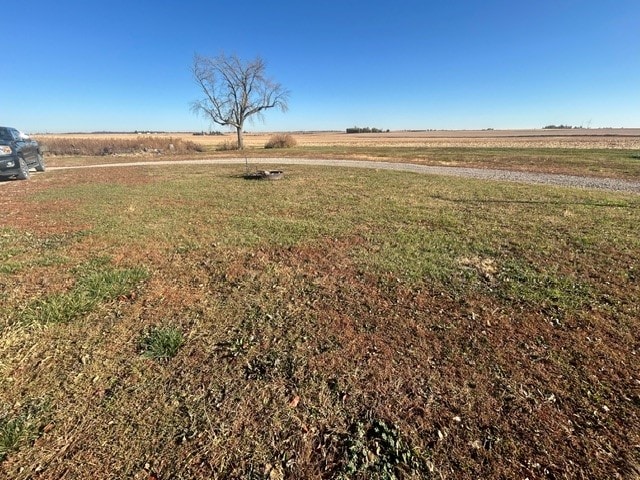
(582, 138)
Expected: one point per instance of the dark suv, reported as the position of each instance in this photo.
(18, 153)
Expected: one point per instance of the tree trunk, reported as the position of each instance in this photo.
(240, 139)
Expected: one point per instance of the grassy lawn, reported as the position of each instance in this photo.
(184, 323)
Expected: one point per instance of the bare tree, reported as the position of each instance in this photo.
(235, 90)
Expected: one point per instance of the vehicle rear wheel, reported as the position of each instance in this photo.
(24, 170)
(40, 166)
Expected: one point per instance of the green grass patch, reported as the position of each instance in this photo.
(96, 282)
(58, 308)
(100, 281)
(521, 283)
(161, 343)
(22, 427)
(12, 432)
(418, 255)
(22, 250)
(10, 268)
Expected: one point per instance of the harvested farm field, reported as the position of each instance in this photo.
(177, 321)
(611, 153)
(624, 138)
(561, 138)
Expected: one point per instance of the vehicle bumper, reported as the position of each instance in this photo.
(9, 166)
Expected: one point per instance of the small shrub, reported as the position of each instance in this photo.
(281, 141)
(162, 343)
(227, 146)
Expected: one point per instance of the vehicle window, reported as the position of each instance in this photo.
(5, 135)
(15, 133)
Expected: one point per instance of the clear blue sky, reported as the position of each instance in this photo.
(73, 65)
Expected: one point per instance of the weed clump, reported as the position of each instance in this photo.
(281, 141)
(376, 450)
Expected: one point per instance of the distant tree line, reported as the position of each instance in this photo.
(365, 130)
(208, 133)
(551, 127)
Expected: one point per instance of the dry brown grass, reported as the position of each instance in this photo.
(98, 145)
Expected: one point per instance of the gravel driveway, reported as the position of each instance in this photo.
(609, 184)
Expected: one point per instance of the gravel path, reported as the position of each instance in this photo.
(609, 184)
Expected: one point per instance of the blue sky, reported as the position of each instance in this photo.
(125, 64)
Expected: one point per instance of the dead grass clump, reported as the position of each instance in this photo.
(486, 267)
(117, 146)
(281, 141)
